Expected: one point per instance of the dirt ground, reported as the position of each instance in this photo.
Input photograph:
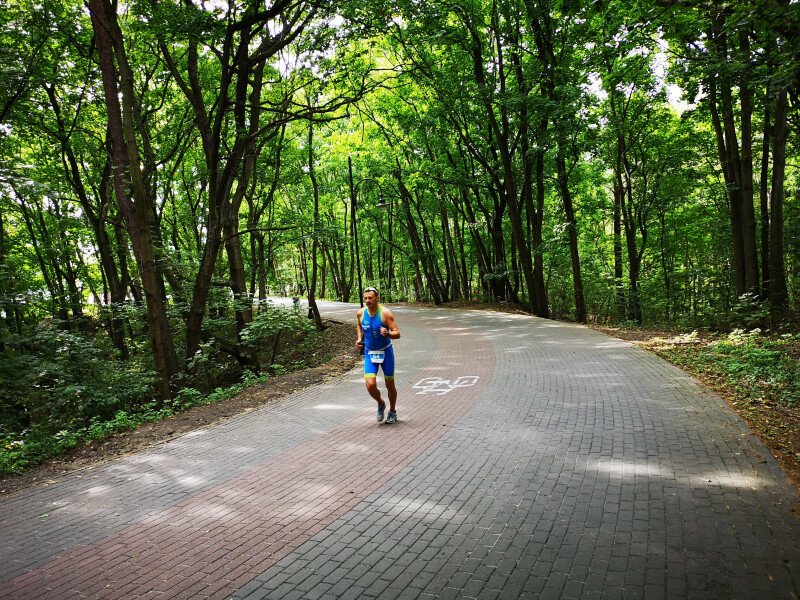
(338, 342)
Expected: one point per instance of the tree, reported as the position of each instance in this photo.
(138, 212)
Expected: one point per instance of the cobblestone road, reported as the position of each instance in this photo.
(532, 459)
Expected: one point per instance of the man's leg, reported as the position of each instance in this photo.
(388, 374)
(371, 379)
(392, 391)
(372, 388)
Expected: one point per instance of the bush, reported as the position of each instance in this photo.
(273, 321)
(759, 366)
(63, 379)
(60, 388)
(750, 311)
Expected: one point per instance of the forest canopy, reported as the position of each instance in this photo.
(167, 167)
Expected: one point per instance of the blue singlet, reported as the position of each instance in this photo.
(373, 340)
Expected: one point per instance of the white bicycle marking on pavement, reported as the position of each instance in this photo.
(439, 386)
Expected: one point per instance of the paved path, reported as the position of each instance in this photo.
(532, 459)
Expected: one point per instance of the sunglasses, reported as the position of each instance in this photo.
(370, 289)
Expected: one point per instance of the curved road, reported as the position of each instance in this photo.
(532, 459)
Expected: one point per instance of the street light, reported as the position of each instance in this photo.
(353, 190)
(388, 206)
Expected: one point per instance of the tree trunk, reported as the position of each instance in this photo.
(312, 288)
(629, 225)
(539, 293)
(540, 23)
(778, 294)
(233, 242)
(736, 160)
(330, 258)
(498, 278)
(746, 166)
(764, 198)
(618, 265)
(732, 186)
(666, 267)
(569, 210)
(462, 259)
(453, 284)
(125, 161)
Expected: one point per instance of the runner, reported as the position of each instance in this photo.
(375, 330)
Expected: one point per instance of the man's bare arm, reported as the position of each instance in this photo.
(359, 331)
(390, 330)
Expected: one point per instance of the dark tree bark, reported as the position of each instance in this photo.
(667, 265)
(734, 198)
(243, 303)
(738, 175)
(541, 306)
(746, 166)
(312, 288)
(618, 265)
(138, 211)
(630, 222)
(569, 211)
(764, 198)
(778, 294)
(540, 22)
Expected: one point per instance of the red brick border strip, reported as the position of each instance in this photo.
(218, 540)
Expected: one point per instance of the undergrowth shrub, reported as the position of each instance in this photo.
(761, 368)
(278, 332)
(760, 365)
(64, 379)
(59, 388)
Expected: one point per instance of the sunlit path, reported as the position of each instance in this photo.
(532, 459)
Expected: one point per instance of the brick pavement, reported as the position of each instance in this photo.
(557, 463)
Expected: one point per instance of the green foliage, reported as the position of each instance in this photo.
(28, 448)
(749, 311)
(274, 320)
(61, 379)
(761, 368)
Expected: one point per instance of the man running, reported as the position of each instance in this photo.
(375, 331)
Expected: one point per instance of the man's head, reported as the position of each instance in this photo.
(371, 297)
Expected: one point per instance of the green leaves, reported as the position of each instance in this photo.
(180, 22)
(272, 321)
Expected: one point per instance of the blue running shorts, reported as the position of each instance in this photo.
(371, 368)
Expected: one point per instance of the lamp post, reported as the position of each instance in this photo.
(389, 270)
(355, 230)
(353, 203)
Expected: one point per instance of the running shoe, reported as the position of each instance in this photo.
(381, 409)
(391, 418)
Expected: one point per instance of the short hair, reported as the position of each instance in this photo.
(371, 289)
